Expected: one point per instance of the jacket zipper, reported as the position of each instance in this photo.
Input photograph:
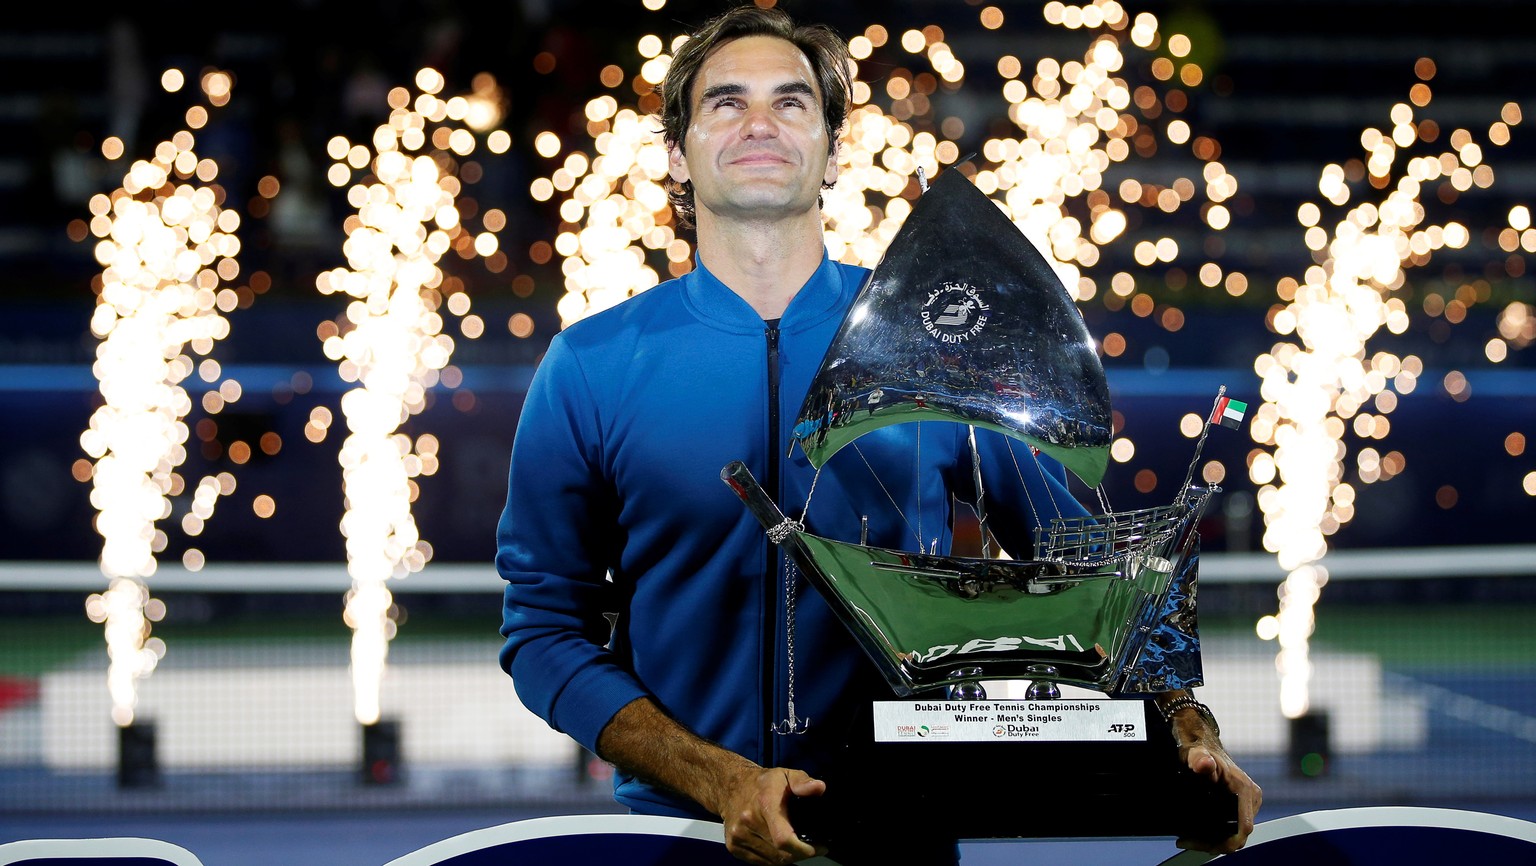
(771, 582)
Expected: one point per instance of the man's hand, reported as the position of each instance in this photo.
(755, 808)
(1201, 750)
(752, 801)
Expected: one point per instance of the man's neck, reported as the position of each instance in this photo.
(765, 263)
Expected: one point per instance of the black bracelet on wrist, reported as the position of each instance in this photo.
(1167, 710)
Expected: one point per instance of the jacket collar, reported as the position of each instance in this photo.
(715, 303)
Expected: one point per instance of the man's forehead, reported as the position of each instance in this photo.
(758, 60)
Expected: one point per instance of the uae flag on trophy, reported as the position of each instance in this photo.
(1228, 412)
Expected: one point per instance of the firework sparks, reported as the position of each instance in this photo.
(1079, 121)
(165, 246)
(1330, 384)
(390, 341)
(1075, 121)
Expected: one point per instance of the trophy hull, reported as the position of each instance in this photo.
(1115, 617)
(983, 619)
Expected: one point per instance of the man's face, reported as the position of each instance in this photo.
(756, 146)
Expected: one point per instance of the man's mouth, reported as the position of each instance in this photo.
(759, 158)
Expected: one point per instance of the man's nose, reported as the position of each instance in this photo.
(760, 123)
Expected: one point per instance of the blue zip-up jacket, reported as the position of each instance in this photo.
(616, 472)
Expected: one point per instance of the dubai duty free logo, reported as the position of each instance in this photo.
(955, 312)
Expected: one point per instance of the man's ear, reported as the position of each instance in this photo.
(830, 177)
(677, 164)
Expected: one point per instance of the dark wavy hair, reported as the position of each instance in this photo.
(821, 45)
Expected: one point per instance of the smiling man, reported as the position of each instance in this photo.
(760, 149)
(646, 614)
(617, 460)
(754, 150)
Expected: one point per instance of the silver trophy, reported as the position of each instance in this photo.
(963, 320)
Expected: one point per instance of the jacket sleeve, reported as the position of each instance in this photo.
(1023, 490)
(553, 549)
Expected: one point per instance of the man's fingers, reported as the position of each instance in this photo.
(1246, 817)
(758, 828)
(801, 785)
(1249, 811)
(807, 787)
(773, 802)
(1203, 763)
(751, 848)
(1218, 768)
(1225, 846)
(751, 837)
(785, 839)
(797, 849)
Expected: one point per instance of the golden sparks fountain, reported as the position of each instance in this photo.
(1329, 383)
(167, 249)
(390, 342)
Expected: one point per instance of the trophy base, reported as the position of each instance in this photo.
(1002, 790)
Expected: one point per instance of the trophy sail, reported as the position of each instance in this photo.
(963, 320)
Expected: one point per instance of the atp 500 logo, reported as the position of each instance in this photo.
(1124, 729)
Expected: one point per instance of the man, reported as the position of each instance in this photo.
(615, 503)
